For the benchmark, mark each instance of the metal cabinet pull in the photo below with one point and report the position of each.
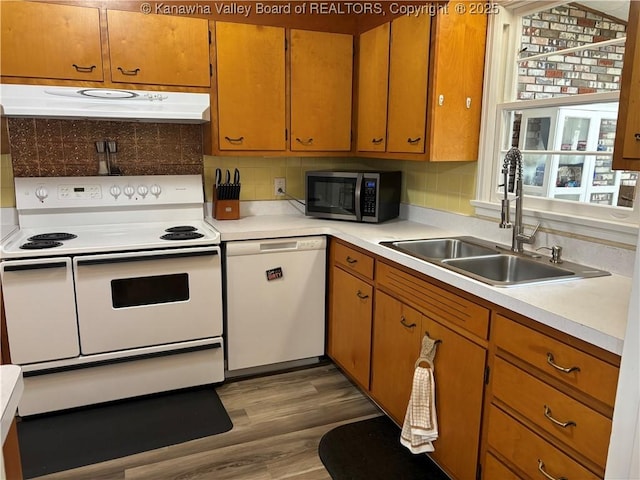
(435, 341)
(541, 470)
(413, 141)
(361, 295)
(550, 361)
(547, 413)
(131, 73)
(83, 69)
(404, 323)
(352, 260)
(637, 135)
(234, 140)
(305, 142)
(468, 103)
(377, 141)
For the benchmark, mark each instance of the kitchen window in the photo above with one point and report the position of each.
(552, 90)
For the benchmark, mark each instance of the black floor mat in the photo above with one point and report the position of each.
(371, 450)
(57, 442)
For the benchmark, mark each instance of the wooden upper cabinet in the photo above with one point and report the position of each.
(626, 155)
(158, 49)
(373, 82)
(321, 88)
(408, 72)
(50, 41)
(250, 62)
(455, 91)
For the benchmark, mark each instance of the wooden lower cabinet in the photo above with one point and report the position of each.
(501, 404)
(349, 342)
(551, 403)
(397, 337)
(459, 375)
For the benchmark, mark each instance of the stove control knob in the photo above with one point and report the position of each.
(156, 190)
(115, 191)
(143, 190)
(129, 191)
(41, 193)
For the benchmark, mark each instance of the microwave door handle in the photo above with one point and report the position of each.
(358, 199)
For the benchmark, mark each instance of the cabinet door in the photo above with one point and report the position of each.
(457, 67)
(321, 85)
(158, 49)
(397, 336)
(627, 146)
(459, 377)
(251, 93)
(408, 70)
(350, 327)
(50, 41)
(373, 82)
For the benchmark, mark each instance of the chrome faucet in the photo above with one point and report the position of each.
(512, 172)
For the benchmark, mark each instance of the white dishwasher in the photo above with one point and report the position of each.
(275, 300)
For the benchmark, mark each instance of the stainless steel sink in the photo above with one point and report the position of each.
(441, 248)
(508, 269)
(490, 263)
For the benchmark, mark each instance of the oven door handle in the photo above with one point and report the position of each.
(145, 256)
(34, 264)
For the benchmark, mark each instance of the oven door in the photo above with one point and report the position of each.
(40, 309)
(138, 299)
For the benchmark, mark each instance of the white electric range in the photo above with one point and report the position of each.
(112, 289)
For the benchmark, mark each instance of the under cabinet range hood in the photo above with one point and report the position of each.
(103, 103)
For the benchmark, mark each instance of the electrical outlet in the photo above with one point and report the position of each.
(279, 186)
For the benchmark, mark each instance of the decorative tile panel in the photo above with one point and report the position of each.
(56, 148)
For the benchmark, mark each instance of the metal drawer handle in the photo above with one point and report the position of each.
(234, 140)
(413, 141)
(83, 69)
(541, 470)
(362, 295)
(305, 142)
(637, 135)
(132, 73)
(438, 341)
(404, 323)
(377, 141)
(550, 361)
(547, 413)
(352, 260)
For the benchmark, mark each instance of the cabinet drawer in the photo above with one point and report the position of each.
(494, 469)
(438, 303)
(592, 376)
(538, 401)
(529, 452)
(353, 260)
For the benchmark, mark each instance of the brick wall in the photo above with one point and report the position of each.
(587, 71)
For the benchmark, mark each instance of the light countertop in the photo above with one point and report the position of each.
(10, 392)
(593, 309)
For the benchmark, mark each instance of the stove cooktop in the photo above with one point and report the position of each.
(84, 215)
(31, 242)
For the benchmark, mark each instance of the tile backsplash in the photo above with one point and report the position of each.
(42, 147)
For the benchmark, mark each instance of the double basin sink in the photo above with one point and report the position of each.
(491, 263)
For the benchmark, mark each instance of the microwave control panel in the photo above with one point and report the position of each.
(369, 197)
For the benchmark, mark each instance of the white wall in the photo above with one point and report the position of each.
(624, 450)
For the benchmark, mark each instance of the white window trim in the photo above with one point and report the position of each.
(615, 226)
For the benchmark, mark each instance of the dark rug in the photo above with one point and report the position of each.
(371, 450)
(56, 442)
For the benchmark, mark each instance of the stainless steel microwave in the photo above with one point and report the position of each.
(358, 196)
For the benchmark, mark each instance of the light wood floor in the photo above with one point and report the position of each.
(278, 421)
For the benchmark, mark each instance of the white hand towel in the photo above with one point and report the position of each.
(420, 426)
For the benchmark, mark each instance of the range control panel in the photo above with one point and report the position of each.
(63, 192)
